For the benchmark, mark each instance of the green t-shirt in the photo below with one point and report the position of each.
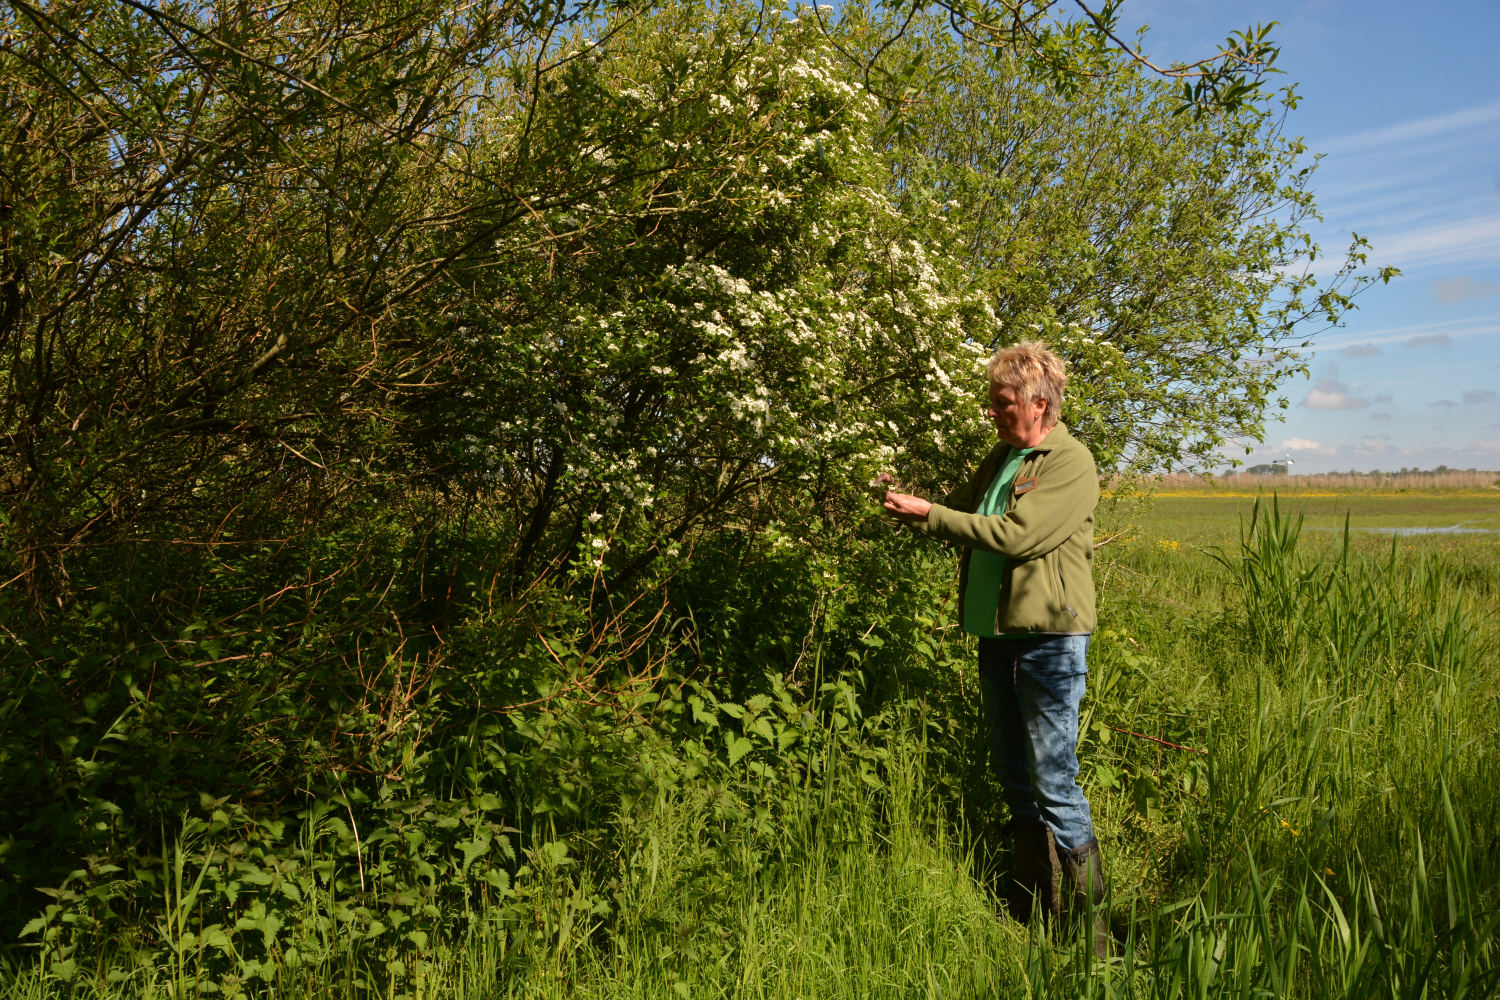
(987, 570)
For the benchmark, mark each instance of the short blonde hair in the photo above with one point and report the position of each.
(1032, 371)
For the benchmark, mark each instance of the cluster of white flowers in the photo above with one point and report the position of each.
(846, 365)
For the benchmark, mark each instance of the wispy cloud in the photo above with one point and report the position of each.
(1452, 329)
(1417, 190)
(1469, 240)
(1362, 351)
(1450, 290)
(1469, 397)
(1485, 447)
(1430, 340)
(1419, 128)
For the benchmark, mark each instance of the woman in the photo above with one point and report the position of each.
(1026, 524)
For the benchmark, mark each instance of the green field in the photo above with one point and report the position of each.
(1212, 519)
(1462, 527)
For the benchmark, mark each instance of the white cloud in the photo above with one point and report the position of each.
(1303, 444)
(1330, 394)
(1362, 351)
(1430, 340)
(1411, 190)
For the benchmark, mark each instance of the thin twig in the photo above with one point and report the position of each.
(1148, 576)
(1153, 739)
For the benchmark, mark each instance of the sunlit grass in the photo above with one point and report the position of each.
(1292, 755)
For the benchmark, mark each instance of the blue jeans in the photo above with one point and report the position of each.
(1032, 686)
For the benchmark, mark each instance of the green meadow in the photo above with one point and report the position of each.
(1212, 518)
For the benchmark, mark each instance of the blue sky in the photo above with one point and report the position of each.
(1404, 101)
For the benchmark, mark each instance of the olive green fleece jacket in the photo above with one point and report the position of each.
(1046, 534)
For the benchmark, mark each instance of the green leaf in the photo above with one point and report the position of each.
(738, 747)
(1145, 796)
(473, 849)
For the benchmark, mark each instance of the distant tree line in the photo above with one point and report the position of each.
(1279, 469)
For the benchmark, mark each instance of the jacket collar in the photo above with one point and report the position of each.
(1057, 437)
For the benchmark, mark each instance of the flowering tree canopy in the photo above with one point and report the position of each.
(630, 275)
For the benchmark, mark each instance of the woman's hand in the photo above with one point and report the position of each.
(905, 507)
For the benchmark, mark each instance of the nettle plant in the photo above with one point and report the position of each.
(753, 328)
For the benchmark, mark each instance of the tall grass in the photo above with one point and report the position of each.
(1343, 844)
(1335, 836)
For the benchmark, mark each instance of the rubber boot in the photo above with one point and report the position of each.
(1083, 883)
(1031, 887)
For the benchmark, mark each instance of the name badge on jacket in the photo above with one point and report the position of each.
(1025, 486)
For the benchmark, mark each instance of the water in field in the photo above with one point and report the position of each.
(1452, 529)
(1210, 518)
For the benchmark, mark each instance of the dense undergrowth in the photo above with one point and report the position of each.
(767, 784)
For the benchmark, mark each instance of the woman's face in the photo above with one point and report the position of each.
(1018, 422)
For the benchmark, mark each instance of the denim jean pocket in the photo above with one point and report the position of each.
(1058, 656)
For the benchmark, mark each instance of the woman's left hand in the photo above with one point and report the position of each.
(905, 507)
